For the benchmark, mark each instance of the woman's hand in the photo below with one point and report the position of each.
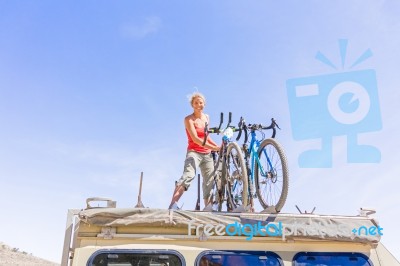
(215, 147)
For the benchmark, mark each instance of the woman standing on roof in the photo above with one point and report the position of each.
(197, 155)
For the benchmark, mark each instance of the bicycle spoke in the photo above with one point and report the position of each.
(272, 179)
(236, 175)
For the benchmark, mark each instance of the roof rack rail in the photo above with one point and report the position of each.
(109, 203)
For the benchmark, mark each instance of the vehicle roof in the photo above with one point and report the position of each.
(304, 226)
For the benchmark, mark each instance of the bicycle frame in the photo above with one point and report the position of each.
(252, 157)
(219, 174)
(251, 154)
(252, 150)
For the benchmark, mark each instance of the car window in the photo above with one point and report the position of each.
(136, 258)
(331, 259)
(224, 258)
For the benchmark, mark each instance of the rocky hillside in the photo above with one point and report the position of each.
(13, 256)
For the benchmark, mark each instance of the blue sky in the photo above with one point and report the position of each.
(92, 93)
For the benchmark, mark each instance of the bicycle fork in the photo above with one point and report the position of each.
(217, 196)
(266, 174)
(252, 194)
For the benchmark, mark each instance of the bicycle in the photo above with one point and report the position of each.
(230, 172)
(266, 164)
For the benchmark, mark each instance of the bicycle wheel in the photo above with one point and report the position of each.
(219, 186)
(218, 192)
(271, 175)
(235, 175)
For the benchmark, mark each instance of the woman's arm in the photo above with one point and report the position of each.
(209, 140)
(210, 144)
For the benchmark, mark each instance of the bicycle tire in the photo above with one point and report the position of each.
(220, 191)
(218, 187)
(272, 189)
(235, 177)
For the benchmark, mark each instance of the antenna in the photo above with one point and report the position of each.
(139, 203)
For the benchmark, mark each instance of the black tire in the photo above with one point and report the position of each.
(219, 196)
(235, 177)
(272, 187)
(220, 192)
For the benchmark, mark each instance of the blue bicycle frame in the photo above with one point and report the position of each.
(252, 150)
(266, 166)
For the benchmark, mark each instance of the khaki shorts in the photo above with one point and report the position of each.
(205, 162)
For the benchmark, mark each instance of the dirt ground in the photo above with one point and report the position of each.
(12, 256)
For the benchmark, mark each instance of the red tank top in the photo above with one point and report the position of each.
(192, 146)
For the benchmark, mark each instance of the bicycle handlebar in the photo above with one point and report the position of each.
(218, 130)
(213, 129)
(221, 120)
(205, 133)
(229, 119)
(241, 126)
(271, 126)
(253, 127)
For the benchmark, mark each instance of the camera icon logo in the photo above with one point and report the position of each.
(337, 104)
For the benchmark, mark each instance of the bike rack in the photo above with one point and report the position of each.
(305, 212)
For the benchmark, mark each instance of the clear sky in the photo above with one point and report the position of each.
(94, 92)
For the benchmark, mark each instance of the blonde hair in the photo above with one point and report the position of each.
(194, 95)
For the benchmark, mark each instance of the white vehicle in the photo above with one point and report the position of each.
(110, 236)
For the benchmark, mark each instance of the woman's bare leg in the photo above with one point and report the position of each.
(178, 192)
